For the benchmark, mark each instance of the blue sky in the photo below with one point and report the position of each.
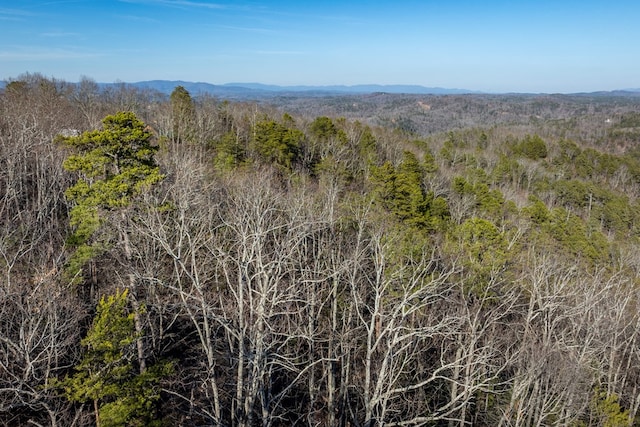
(491, 45)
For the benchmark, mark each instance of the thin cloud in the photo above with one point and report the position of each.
(180, 3)
(65, 2)
(7, 11)
(190, 4)
(13, 14)
(55, 34)
(138, 18)
(45, 55)
(280, 52)
(248, 29)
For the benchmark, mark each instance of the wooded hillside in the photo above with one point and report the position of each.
(371, 260)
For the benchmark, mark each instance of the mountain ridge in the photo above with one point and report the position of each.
(248, 90)
(240, 89)
(257, 91)
(359, 88)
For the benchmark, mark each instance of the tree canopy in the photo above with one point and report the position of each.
(367, 260)
(114, 165)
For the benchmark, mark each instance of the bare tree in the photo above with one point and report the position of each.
(179, 226)
(558, 345)
(40, 316)
(256, 249)
(412, 341)
(87, 98)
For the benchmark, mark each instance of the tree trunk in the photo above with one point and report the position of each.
(137, 321)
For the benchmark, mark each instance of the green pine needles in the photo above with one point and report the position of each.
(114, 165)
(107, 376)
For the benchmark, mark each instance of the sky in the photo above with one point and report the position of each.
(542, 46)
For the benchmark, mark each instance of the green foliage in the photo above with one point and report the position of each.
(277, 143)
(429, 163)
(607, 410)
(453, 149)
(438, 211)
(229, 154)
(323, 128)
(106, 376)
(482, 249)
(576, 237)
(610, 209)
(384, 179)
(593, 164)
(114, 165)
(17, 88)
(401, 192)
(406, 245)
(532, 147)
(584, 163)
(560, 230)
(482, 242)
(488, 201)
(409, 198)
(327, 138)
(183, 111)
(111, 332)
(537, 211)
(573, 193)
(450, 147)
(615, 213)
(568, 151)
(367, 146)
(507, 171)
(367, 142)
(259, 279)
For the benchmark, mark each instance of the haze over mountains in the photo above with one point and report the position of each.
(265, 90)
(239, 90)
(252, 90)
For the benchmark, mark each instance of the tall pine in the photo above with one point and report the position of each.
(114, 165)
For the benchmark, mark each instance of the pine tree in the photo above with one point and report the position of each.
(106, 376)
(277, 143)
(183, 113)
(114, 165)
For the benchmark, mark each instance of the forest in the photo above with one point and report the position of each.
(354, 261)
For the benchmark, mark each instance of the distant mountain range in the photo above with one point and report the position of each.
(260, 91)
(245, 90)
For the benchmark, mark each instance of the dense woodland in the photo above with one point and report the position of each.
(374, 260)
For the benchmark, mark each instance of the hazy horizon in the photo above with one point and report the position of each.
(495, 47)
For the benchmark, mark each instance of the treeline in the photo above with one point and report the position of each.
(190, 261)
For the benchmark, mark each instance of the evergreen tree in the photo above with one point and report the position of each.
(410, 202)
(400, 190)
(323, 128)
(183, 113)
(114, 165)
(277, 143)
(106, 376)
